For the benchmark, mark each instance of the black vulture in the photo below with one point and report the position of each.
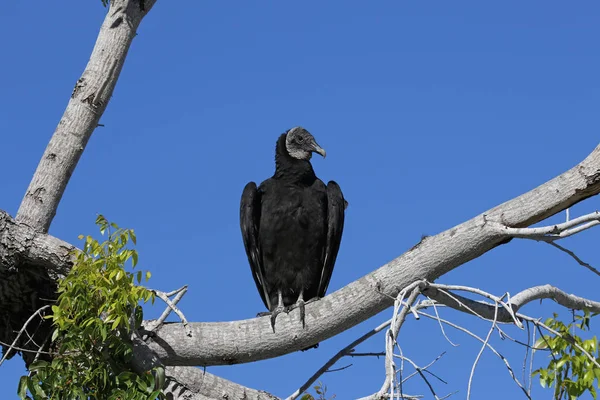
(292, 227)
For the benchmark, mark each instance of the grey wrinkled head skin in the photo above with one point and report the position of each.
(300, 144)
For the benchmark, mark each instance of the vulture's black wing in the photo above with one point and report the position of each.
(336, 206)
(249, 222)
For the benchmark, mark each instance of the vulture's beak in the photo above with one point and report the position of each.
(318, 149)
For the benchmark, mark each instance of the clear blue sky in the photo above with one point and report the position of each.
(430, 112)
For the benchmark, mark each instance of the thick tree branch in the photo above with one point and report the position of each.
(219, 343)
(207, 386)
(21, 244)
(88, 101)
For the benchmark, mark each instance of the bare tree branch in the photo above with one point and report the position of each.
(485, 343)
(400, 313)
(171, 306)
(555, 232)
(419, 371)
(579, 260)
(519, 300)
(14, 343)
(207, 386)
(88, 101)
(489, 346)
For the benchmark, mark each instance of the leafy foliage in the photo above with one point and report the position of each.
(320, 391)
(97, 310)
(570, 370)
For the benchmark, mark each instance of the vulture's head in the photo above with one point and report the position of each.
(300, 144)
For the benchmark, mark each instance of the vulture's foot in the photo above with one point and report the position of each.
(278, 310)
(301, 305)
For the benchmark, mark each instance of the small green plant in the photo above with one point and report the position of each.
(320, 391)
(570, 371)
(97, 309)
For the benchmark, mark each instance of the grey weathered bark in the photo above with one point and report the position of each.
(88, 101)
(208, 386)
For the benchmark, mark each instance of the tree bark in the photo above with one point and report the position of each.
(88, 101)
(207, 386)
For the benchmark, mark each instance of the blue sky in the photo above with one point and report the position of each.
(430, 112)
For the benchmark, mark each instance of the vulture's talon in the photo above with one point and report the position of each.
(301, 306)
(278, 310)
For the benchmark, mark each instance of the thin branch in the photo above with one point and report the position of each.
(579, 260)
(425, 369)
(339, 369)
(441, 325)
(419, 370)
(555, 232)
(486, 310)
(171, 306)
(380, 354)
(392, 336)
(348, 350)
(343, 352)
(13, 344)
(533, 349)
(26, 350)
(489, 346)
(509, 310)
(487, 339)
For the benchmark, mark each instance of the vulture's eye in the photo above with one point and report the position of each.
(300, 139)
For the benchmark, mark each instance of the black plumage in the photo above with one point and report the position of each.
(292, 227)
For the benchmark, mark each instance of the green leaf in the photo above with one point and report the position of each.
(35, 390)
(160, 377)
(37, 365)
(540, 344)
(22, 388)
(561, 362)
(116, 323)
(154, 395)
(54, 335)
